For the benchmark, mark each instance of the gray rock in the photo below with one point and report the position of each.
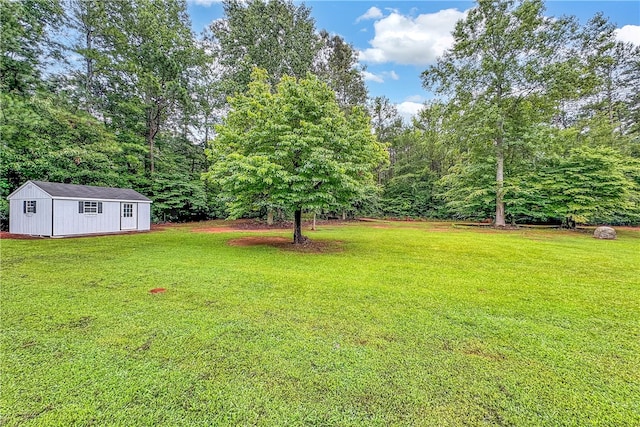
(607, 233)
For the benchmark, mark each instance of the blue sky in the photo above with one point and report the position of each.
(397, 40)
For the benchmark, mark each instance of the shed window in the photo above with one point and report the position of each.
(127, 210)
(29, 206)
(90, 208)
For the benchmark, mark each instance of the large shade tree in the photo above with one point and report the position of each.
(140, 56)
(582, 185)
(507, 57)
(292, 148)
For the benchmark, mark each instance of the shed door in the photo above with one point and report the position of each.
(128, 216)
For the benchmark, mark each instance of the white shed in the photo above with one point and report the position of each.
(55, 209)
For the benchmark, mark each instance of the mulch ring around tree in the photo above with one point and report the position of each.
(285, 244)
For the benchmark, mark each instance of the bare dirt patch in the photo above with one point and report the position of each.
(7, 235)
(232, 230)
(250, 225)
(161, 226)
(285, 244)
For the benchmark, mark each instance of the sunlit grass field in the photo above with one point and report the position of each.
(391, 324)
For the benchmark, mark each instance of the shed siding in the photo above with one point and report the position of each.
(58, 215)
(144, 216)
(30, 192)
(68, 221)
(38, 224)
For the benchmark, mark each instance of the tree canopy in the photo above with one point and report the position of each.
(292, 149)
(535, 117)
(506, 57)
(275, 35)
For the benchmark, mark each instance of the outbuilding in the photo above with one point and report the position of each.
(55, 209)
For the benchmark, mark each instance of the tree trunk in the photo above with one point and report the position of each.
(150, 141)
(500, 222)
(298, 238)
(89, 79)
(206, 130)
(153, 125)
(269, 216)
(313, 227)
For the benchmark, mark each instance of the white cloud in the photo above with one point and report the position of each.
(372, 13)
(412, 40)
(415, 98)
(409, 109)
(629, 34)
(370, 77)
(380, 77)
(204, 2)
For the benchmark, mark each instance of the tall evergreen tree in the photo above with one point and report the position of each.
(609, 62)
(337, 65)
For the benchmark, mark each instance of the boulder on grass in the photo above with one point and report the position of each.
(606, 233)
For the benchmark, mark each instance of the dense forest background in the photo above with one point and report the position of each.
(537, 119)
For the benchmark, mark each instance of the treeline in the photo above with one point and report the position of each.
(538, 119)
(538, 123)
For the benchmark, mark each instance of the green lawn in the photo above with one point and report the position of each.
(402, 324)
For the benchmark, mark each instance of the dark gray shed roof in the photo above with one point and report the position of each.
(56, 189)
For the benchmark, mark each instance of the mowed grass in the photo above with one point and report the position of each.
(404, 324)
